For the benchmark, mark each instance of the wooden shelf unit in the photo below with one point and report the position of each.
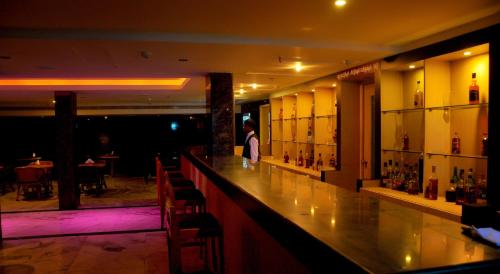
(445, 80)
(315, 112)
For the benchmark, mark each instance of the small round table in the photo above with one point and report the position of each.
(111, 160)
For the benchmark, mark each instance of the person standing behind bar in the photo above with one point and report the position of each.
(251, 148)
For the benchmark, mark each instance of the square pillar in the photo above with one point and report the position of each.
(65, 162)
(220, 97)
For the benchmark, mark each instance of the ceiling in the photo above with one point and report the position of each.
(258, 41)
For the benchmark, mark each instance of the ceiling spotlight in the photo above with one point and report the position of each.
(340, 3)
(105, 117)
(296, 94)
(412, 66)
(313, 90)
(298, 66)
(467, 53)
(53, 101)
(334, 84)
(254, 86)
(242, 91)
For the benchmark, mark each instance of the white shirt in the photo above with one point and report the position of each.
(254, 146)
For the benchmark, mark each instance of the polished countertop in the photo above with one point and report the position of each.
(376, 235)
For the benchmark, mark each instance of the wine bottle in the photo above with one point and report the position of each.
(307, 162)
(470, 188)
(484, 145)
(286, 157)
(460, 189)
(319, 163)
(406, 142)
(433, 185)
(418, 97)
(474, 90)
(455, 144)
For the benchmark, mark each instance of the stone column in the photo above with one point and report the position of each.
(220, 97)
(65, 162)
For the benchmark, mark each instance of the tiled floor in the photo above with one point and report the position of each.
(118, 253)
(122, 191)
(25, 224)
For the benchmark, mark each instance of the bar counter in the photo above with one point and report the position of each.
(325, 228)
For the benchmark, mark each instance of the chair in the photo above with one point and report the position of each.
(89, 178)
(29, 178)
(181, 224)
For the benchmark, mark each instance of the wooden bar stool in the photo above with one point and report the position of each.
(207, 232)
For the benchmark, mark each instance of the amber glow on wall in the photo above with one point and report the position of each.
(94, 84)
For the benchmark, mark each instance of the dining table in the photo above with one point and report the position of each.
(111, 159)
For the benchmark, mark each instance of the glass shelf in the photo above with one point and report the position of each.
(277, 140)
(467, 106)
(307, 143)
(320, 144)
(279, 120)
(402, 151)
(402, 110)
(325, 116)
(301, 118)
(288, 119)
(471, 156)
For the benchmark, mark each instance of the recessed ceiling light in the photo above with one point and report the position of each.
(340, 3)
(334, 84)
(298, 66)
(53, 101)
(105, 117)
(296, 94)
(411, 66)
(313, 89)
(254, 86)
(242, 91)
(467, 53)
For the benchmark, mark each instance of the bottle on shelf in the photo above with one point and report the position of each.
(433, 185)
(474, 91)
(413, 183)
(281, 114)
(470, 188)
(484, 144)
(307, 162)
(286, 158)
(333, 161)
(396, 176)
(418, 97)
(309, 134)
(455, 144)
(311, 159)
(460, 189)
(481, 189)
(388, 182)
(300, 162)
(420, 169)
(406, 142)
(450, 194)
(319, 163)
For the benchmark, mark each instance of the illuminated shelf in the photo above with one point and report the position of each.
(279, 120)
(288, 119)
(402, 151)
(402, 110)
(453, 107)
(302, 118)
(325, 116)
(332, 145)
(471, 156)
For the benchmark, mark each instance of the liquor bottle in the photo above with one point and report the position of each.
(470, 188)
(333, 161)
(451, 194)
(286, 157)
(406, 177)
(395, 176)
(455, 144)
(474, 90)
(406, 142)
(484, 145)
(481, 189)
(460, 189)
(311, 159)
(413, 184)
(319, 163)
(300, 162)
(433, 185)
(418, 97)
(307, 162)
(281, 114)
(389, 175)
